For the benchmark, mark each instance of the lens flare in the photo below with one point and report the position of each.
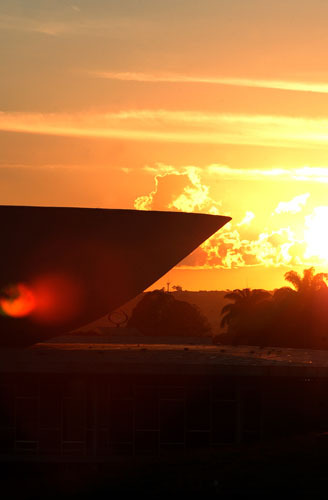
(48, 299)
(17, 301)
(58, 298)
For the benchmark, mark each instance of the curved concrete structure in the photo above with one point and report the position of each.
(61, 268)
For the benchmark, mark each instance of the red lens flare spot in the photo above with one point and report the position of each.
(49, 299)
(17, 301)
(58, 298)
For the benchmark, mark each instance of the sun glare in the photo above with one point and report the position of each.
(316, 234)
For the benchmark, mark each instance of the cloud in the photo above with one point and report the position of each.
(302, 174)
(293, 206)
(236, 244)
(65, 20)
(70, 20)
(179, 190)
(31, 25)
(224, 173)
(177, 126)
(229, 249)
(249, 216)
(295, 86)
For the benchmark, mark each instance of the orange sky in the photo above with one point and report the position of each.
(217, 106)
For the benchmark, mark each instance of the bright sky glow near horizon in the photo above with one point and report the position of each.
(219, 106)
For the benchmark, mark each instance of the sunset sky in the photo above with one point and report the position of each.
(214, 106)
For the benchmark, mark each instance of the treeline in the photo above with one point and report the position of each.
(159, 314)
(292, 316)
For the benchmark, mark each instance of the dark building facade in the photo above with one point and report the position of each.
(86, 403)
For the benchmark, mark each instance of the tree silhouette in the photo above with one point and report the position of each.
(310, 282)
(244, 302)
(244, 316)
(159, 314)
(294, 316)
(307, 319)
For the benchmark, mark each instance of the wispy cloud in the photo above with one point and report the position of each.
(30, 25)
(72, 21)
(249, 216)
(296, 86)
(302, 174)
(292, 206)
(271, 174)
(176, 126)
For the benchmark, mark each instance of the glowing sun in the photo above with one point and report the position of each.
(316, 233)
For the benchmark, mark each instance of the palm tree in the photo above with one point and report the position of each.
(300, 312)
(310, 282)
(245, 303)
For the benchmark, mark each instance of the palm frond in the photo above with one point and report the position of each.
(294, 278)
